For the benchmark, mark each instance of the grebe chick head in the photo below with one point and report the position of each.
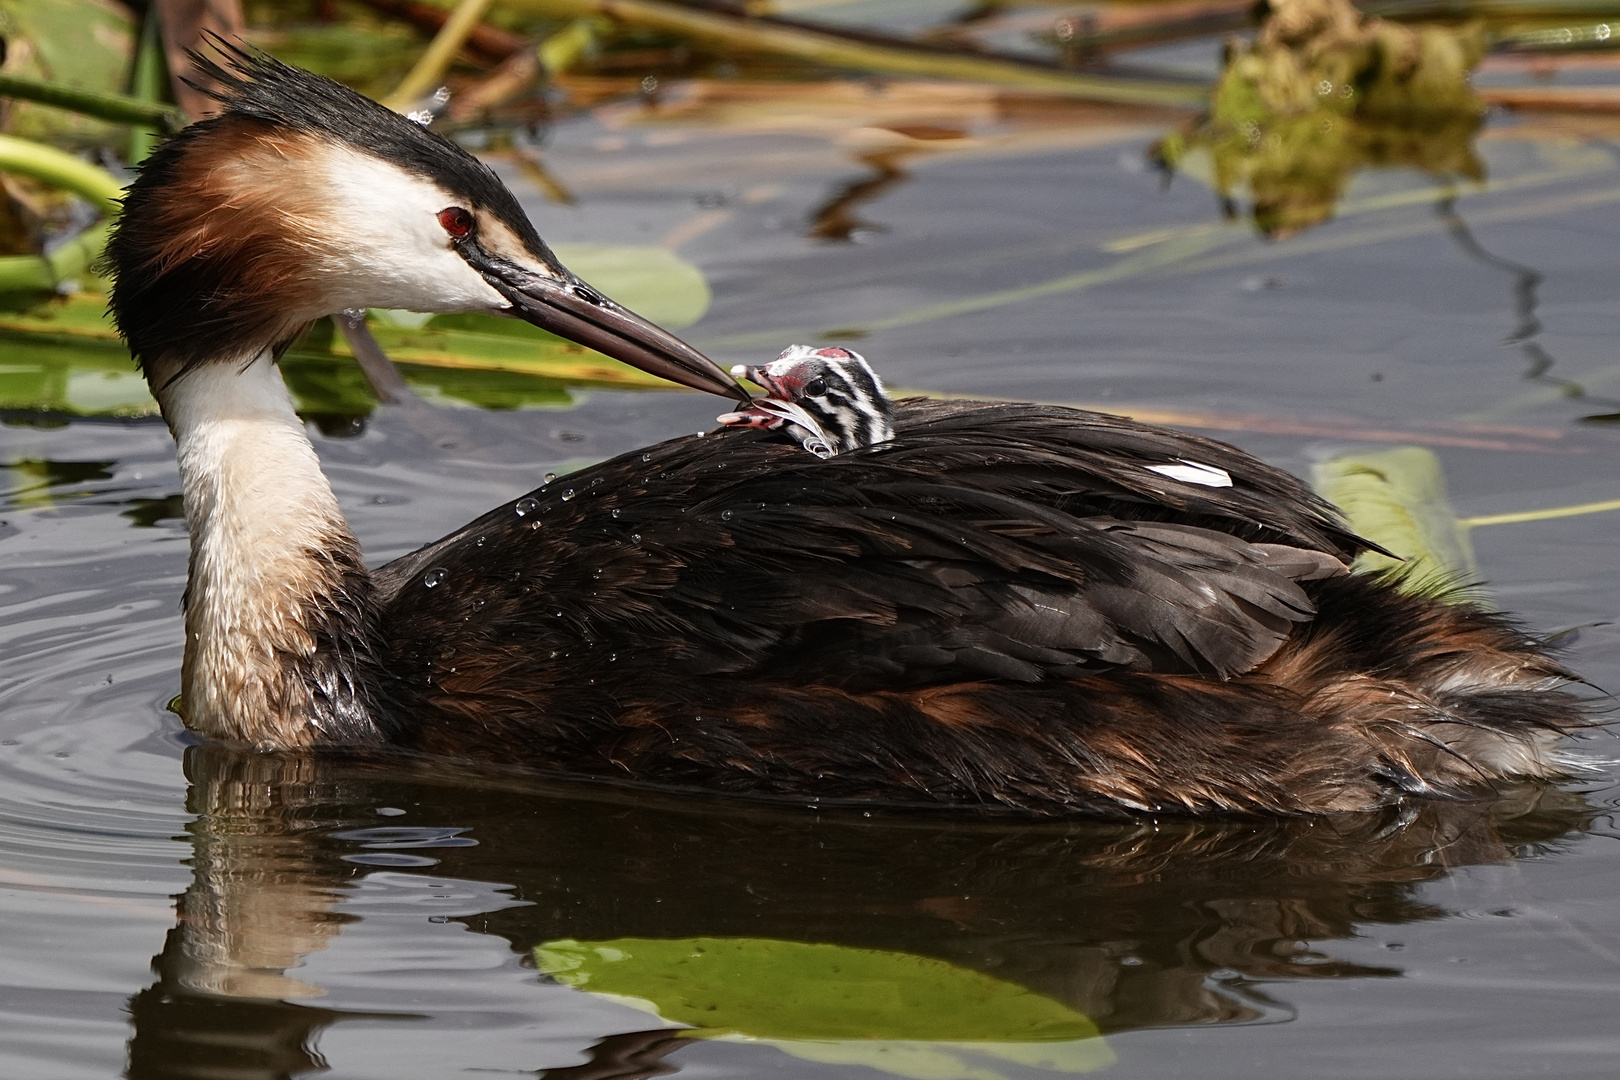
(303, 199)
(829, 399)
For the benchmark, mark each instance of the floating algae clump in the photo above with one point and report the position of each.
(1324, 91)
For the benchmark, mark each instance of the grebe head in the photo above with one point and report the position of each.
(303, 199)
(835, 389)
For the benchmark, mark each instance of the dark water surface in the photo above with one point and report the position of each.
(381, 922)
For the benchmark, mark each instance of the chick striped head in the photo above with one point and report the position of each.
(829, 400)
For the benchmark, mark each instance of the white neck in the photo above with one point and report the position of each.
(278, 620)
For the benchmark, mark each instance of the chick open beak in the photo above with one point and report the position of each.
(569, 308)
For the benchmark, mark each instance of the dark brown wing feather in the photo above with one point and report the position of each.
(1014, 541)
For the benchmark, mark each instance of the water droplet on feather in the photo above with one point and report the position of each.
(434, 576)
(525, 507)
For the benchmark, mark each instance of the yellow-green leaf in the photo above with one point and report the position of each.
(1397, 499)
(788, 990)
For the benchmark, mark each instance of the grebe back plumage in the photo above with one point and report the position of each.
(1009, 606)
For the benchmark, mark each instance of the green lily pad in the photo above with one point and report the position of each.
(1397, 499)
(795, 992)
(654, 282)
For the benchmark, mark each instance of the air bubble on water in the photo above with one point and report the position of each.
(525, 507)
(435, 576)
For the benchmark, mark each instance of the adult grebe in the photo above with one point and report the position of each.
(1012, 606)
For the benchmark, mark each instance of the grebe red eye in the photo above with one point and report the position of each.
(456, 221)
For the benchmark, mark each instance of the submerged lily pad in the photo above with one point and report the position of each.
(906, 1014)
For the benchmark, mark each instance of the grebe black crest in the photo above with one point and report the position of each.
(1015, 607)
(829, 400)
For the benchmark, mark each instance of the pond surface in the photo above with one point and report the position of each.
(383, 922)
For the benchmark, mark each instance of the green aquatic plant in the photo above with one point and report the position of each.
(901, 1013)
(63, 355)
(79, 46)
(1397, 499)
(30, 275)
(1324, 91)
(741, 35)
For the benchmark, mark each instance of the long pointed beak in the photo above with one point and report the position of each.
(569, 308)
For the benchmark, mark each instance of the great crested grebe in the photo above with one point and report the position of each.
(827, 400)
(1011, 606)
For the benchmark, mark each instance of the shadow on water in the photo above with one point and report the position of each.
(1132, 925)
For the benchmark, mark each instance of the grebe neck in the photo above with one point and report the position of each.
(280, 622)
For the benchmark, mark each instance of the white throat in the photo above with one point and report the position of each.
(275, 571)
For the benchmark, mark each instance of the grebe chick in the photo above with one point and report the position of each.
(829, 400)
(1009, 607)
